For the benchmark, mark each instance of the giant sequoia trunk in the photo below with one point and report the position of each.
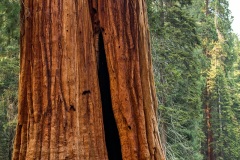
(86, 84)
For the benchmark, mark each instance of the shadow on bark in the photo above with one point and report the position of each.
(110, 126)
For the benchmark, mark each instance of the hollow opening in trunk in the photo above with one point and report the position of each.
(110, 126)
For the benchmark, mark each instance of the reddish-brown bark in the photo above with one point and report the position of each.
(208, 133)
(60, 101)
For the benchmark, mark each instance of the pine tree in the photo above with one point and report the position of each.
(177, 67)
(219, 98)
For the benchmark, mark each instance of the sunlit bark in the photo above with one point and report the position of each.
(73, 54)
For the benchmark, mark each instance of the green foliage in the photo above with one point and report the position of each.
(224, 96)
(178, 62)
(9, 68)
(193, 51)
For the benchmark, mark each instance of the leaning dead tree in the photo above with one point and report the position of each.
(86, 82)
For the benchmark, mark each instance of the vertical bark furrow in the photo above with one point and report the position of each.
(20, 141)
(110, 128)
(46, 103)
(64, 87)
(119, 53)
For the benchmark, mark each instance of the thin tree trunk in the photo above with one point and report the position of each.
(86, 82)
(162, 13)
(208, 151)
(207, 8)
(218, 65)
(208, 132)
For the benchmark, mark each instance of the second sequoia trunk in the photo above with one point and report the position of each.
(86, 84)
